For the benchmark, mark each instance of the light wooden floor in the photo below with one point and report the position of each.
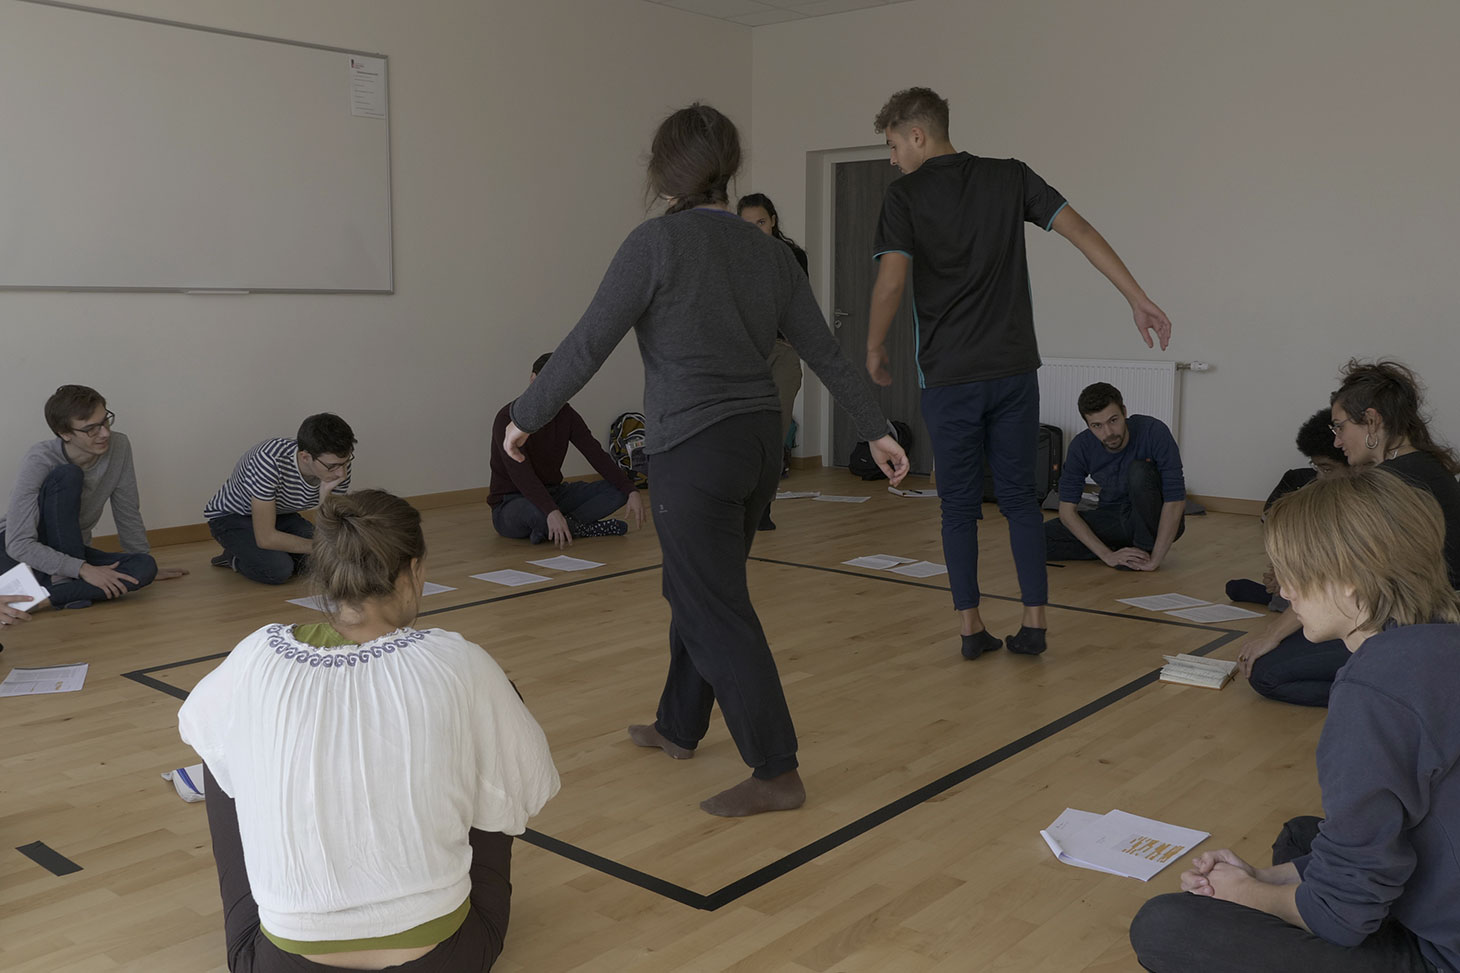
(884, 707)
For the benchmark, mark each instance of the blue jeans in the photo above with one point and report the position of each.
(1133, 522)
(998, 419)
(59, 528)
(235, 533)
(1299, 671)
(517, 516)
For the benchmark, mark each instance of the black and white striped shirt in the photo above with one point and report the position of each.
(269, 471)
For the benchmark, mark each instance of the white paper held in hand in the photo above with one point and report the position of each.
(19, 580)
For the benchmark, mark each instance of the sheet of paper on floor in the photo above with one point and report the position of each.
(829, 498)
(50, 679)
(921, 569)
(1162, 603)
(565, 563)
(1214, 613)
(511, 578)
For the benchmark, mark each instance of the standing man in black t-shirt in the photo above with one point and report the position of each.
(958, 221)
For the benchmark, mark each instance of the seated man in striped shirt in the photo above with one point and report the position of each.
(255, 513)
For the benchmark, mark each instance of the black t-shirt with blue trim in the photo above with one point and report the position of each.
(961, 220)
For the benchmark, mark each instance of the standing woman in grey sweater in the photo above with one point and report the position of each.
(705, 293)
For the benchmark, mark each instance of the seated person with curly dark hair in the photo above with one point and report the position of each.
(363, 777)
(1315, 441)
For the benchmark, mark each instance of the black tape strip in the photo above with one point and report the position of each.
(48, 858)
(937, 587)
(620, 871)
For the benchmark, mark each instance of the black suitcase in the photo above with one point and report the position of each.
(1048, 456)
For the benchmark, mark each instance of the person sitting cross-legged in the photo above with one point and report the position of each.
(363, 776)
(1142, 507)
(64, 485)
(1315, 441)
(255, 515)
(1371, 888)
(529, 497)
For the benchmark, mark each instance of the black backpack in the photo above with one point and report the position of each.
(861, 462)
(1049, 454)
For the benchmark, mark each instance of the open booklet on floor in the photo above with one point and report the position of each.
(1119, 843)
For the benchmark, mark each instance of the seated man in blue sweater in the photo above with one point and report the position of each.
(529, 498)
(1142, 507)
(1371, 888)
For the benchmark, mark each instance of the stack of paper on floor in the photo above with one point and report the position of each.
(1193, 670)
(1118, 843)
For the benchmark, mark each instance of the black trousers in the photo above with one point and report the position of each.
(1133, 523)
(474, 946)
(1200, 934)
(709, 493)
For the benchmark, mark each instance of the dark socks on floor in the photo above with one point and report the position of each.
(978, 643)
(648, 736)
(1027, 641)
(757, 796)
(1252, 592)
(599, 528)
(765, 520)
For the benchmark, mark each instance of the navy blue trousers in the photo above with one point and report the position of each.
(997, 421)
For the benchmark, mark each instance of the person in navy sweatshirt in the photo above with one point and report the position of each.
(1373, 886)
(1142, 507)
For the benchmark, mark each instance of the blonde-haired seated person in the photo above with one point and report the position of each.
(363, 776)
(1373, 887)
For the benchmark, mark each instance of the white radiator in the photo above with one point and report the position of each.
(1148, 387)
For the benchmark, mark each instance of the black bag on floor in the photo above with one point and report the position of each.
(1048, 455)
(861, 462)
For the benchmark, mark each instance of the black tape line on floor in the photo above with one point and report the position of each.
(937, 587)
(48, 858)
(821, 846)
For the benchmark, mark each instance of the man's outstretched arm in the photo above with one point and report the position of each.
(1149, 318)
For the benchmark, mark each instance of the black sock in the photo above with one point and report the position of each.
(1244, 589)
(1027, 641)
(978, 643)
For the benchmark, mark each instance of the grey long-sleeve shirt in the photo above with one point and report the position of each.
(112, 478)
(705, 293)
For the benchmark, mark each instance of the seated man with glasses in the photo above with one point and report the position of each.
(255, 513)
(64, 485)
(1142, 507)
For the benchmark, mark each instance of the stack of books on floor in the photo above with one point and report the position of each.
(1193, 670)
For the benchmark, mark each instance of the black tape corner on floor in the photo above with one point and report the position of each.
(48, 858)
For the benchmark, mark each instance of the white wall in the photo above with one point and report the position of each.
(1280, 177)
(519, 130)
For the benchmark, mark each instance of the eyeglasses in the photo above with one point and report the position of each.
(97, 427)
(333, 467)
(1336, 426)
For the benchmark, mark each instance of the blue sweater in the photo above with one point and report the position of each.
(1148, 439)
(1389, 768)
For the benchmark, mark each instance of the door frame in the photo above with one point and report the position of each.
(821, 221)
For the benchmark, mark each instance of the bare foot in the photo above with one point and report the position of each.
(647, 736)
(756, 796)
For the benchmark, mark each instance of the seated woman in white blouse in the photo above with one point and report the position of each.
(363, 776)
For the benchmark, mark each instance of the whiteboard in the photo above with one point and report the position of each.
(142, 154)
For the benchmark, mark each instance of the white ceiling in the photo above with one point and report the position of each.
(757, 13)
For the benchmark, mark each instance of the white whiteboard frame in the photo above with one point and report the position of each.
(183, 289)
